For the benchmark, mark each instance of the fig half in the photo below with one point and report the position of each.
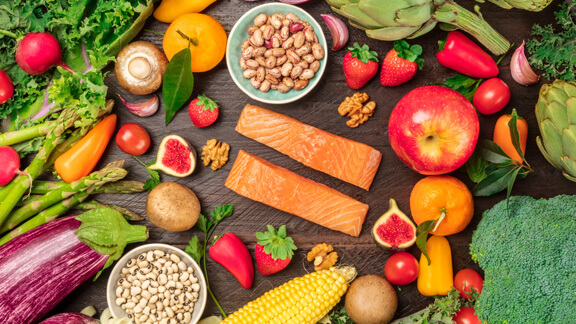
(175, 157)
(394, 231)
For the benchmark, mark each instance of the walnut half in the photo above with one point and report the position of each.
(355, 108)
(323, 256)
(215, 152)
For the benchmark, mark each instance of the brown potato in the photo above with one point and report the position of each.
(173, 207)
(371, 300)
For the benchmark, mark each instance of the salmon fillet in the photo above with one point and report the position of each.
(337, 156)
(260, 180)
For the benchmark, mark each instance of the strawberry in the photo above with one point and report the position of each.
(274, 250)
(203, 111)
(360, 65)
(401, 63)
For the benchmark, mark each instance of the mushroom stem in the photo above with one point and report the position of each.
(194, 41)
(139, 67)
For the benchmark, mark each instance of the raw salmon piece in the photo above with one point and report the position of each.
(337, 156)
(260, 180)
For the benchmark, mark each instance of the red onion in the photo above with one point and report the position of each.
(338, 29)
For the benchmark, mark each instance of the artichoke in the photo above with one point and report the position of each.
(391, 20)
(556, 116)
(531, 5)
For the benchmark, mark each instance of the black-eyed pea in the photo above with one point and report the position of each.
(315, 66)
(318, 51)
(300, 84)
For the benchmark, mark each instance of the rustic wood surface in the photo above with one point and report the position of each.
(393, 180)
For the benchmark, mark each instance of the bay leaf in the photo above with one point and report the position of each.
(178, 83)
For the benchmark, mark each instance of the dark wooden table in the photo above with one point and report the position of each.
(393, 180)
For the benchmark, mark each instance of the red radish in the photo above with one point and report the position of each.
(6, 87)
(38, 52)
(10, 164)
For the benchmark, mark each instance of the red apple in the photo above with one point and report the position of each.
(433, 130)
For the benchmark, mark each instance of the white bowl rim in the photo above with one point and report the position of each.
(304, 92)
(111, 285)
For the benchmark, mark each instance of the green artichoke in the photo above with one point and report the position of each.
(391, 20)
(531, 5)
(556, 116)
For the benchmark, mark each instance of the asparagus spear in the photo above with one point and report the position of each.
(109, 174)
(22, 183)
(127, 213)
(125, 186)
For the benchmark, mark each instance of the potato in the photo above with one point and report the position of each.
(173, 207)
(371, 300)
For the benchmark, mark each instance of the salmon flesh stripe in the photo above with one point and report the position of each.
(337, 156)
(275, 186)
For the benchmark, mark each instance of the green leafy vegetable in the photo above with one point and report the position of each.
(554, 49)
(526, 250)
(197, 250)
(154, 179)
(178, 83)
(339, 316)
(442, 310)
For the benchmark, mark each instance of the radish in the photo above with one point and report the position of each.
(10, 165)
(38, 52)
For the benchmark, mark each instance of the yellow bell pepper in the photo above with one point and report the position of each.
(169, 10)
(437, 277)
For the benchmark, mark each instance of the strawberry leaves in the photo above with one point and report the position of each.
(276, 243)
(207, 103)
(364, 54)
(409, 52)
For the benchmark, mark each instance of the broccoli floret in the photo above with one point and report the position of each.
(528, 255)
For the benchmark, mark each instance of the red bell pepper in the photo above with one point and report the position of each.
(230, 252)
(461, 54)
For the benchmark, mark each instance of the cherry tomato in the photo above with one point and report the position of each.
(133, 139)
(466, 316)
(401, 268)
(491, 96)
(466, 279)
(6, 87)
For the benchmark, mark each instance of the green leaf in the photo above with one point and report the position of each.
(204, 223)
(492, 152)
(464, 85)
(511, 184)
(495, 181)
(515, 136)
(422, 236)
(220, 212)
(178, 83)
(195, 249)
(207, 103)
(476, 167)
(154, 179)
(276, 243)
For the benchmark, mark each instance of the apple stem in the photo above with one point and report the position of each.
(439, 220)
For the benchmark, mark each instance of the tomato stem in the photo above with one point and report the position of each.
(194, 41)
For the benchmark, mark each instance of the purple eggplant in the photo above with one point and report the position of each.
(69, 318)
(41, 267)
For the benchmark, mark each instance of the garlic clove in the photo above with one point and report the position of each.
(143, 109)
(338, 29)
(520, 68)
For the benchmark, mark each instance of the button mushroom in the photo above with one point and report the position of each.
(140, 67)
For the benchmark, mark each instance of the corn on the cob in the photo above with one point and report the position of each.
(302, 300)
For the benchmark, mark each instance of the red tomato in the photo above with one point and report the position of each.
(133, 139)
(466, 316)
(491, 96)
(466, 279)
(6, 87)
(401, 268)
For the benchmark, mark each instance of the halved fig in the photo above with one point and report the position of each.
(175, 157)
(394, 231)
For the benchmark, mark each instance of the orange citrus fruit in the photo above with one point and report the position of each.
(206, 36)
(434, 195)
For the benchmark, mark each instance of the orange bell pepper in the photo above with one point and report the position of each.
(503, 138)
(81, 159)
(437, 277)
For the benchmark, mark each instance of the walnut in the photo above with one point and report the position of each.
(323, 256)
(355, 108)
(215, 152)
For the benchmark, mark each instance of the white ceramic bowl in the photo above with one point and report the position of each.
(239, 34)
(118, 312)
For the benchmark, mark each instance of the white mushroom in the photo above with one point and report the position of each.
(140, 67)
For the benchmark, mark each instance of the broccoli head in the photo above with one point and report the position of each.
(528, 254)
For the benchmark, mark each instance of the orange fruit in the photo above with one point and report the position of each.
(207, 36)
(435, 195)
